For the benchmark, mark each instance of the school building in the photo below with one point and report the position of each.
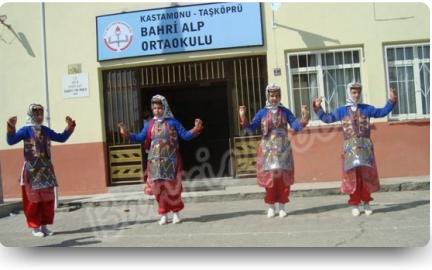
(101, 63)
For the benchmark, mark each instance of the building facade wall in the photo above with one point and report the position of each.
(402, 148)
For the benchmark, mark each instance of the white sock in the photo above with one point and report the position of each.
(271, 211)
(176, 217)
(355, 211)
(45, 230)
(282, 211)
(163, 220)
(37, 232)
(282, 207)
(367, 209)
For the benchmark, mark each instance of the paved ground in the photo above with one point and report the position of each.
(401, 219)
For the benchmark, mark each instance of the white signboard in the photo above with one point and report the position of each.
(75, 85)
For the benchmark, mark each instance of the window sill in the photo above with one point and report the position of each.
(321, 128)
(396, 121)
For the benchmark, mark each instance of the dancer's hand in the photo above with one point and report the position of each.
(393, 95)
(305, 112)
(123, 130)
(71, 123)
(12, 121)
(317, 102)
(198, 125)
(242, 111)
(305, 115)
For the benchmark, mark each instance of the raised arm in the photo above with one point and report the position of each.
(13, 137)
(293, 121)
(134, 137)
(64, 136)
(381, 112)
(188, 135)
(323, 116)
(58, 137)
(256, 121)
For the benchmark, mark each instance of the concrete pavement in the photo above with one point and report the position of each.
(401, 219)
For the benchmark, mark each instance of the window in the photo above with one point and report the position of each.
(322, 74)
(408, 72)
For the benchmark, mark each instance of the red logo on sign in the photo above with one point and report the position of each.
(118, 36)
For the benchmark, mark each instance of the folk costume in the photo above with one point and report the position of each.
(164, 165)
(38, 181)
(359, 174)
(275, 165)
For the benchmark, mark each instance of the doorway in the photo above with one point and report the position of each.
(207, 155)
(211, 90)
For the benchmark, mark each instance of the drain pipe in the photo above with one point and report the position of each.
(45, 64)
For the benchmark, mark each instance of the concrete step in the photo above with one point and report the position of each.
(10, 208)
(192, 185)
(227, 190)
(244, 192)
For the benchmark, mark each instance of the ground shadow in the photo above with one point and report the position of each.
(112, 227)
(402, 206)
(210, 218)
(216, 217)
(74, 242)
(319, 209)
(326, 208)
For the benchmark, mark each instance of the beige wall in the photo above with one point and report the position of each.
(21, 69)
(323, 26)
(71, 39)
